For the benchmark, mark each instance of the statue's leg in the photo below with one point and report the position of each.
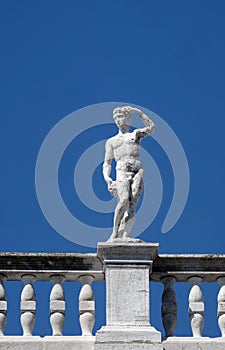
(123, 220)
(122, 223)
(136, 191)
(123, 189)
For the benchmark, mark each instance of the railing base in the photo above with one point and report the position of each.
(47, 343)
(131, 346)
(194, 343)
(88, 343)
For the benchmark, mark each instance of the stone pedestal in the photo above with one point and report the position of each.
(127, 267)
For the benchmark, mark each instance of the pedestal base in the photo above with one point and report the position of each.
(127, 267)
(128, 338)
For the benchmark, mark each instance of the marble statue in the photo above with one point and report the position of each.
(125, 149)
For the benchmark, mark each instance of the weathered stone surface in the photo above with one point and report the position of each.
(69, 343)
(86, 305)
(127, 268)
(57, 305)
(133, 258)
(184, 266)
(127, 296)
(88, 343)
(3, 306)
(45, 265)
(127, 280)
(47, 343)
(186, 343)
(127, 252)
(169, 306)
(129, 334)
(221, 305)
(131, 346)
(196, 306)
(21, 343)
(28, 305)
(130, 338)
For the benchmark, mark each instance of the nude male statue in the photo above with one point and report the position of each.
(125, 149)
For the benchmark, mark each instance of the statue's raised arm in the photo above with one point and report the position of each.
(149, 125)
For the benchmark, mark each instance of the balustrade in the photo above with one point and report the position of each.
(221, 305)
(3, 305)
(169, 306)
(28, 305)
(86, 305)
(57, 305)
(86, 268)
(55, 268)
(196, 307)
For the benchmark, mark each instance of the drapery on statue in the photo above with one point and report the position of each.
(125, 149)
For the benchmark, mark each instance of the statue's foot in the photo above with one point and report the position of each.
(119, 236)
(126, 236)
(124, 239)
(133, 240)
(112, 237)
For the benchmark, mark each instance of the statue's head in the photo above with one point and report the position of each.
(122, 116)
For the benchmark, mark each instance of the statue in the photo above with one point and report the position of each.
(125, 149)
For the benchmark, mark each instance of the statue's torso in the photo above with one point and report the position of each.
(126, 151)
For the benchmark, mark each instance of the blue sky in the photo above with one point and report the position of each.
(167, 56)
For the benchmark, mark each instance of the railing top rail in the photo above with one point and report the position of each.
(72, 265)
(183, 266)
(51, 254)
(192, 256)
(44, 265)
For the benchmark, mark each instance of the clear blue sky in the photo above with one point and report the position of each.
(168, 56)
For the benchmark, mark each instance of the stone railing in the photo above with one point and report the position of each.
(193, 269)
(56, 268)
(126, 269)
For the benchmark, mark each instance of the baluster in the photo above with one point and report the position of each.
(86, 305)
(221, 305)
(196, 307)
(57, 305)
(28, 305)
(3, 305)
(169, 306)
